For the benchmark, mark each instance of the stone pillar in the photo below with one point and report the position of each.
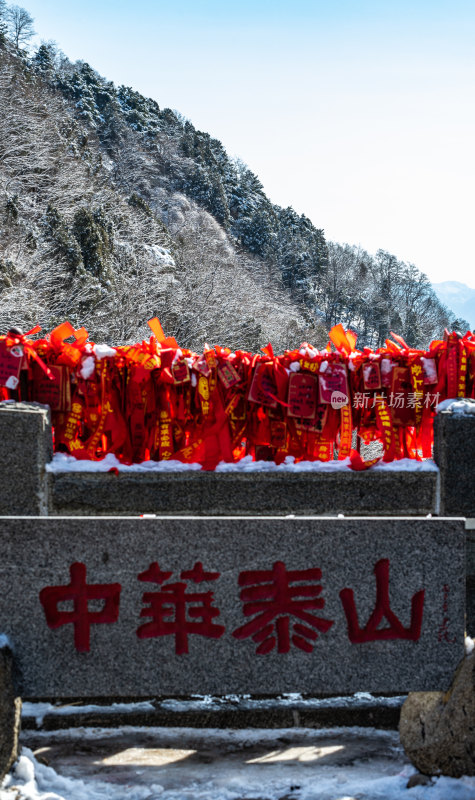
(10, 710)
(26, 446)
(454, 452)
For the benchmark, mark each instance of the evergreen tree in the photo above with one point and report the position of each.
(94, 236)
(44, 60)
(3, 20)
(66, 246)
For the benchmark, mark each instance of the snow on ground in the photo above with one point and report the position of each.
(212, 764)
(64, 463)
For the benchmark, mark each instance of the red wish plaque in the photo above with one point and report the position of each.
(263, 388)
(278, 433)
(302, 395)
(180, 372)
(49, 390)
(387, 366)
(402, 413)
(429, 371)
(202, 366)
(332, 379)
(10, 364)
(228, 375)
(371, 376)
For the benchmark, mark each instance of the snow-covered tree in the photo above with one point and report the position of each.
(20, 24)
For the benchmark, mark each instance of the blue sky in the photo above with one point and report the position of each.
(359, 114)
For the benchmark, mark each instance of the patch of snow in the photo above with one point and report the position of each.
(161, 256)
(35, 781)
(312, 351)
(65, 463)
(469, 645)
(408, 465)
(87, 367)
(457, 405)
(103, 351)
(287, 760)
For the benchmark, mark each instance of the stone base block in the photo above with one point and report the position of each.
(10, 713)
(437, 729)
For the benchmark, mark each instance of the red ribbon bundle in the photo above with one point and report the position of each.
(155, 400)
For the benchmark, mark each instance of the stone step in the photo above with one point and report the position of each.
(360, 710)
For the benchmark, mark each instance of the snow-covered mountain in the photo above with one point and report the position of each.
(459, 297)
(113, 210)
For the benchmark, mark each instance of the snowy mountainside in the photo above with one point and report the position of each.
(459, 297)
(91, 230)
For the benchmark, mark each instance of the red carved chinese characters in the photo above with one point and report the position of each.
(79, 592)
(272, 601)
(174, 611)
(279, 603)
(396, 630)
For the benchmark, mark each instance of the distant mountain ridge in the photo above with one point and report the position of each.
(459, 297)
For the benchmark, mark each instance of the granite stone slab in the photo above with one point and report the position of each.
(470, 580)
(173, 575)
(382, 492)
(26, 446)
(454, 452)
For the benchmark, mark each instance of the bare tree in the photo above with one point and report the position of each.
(21, 25)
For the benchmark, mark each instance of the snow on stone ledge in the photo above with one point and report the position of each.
(457, 405)
(65, 463)
(39, 710)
